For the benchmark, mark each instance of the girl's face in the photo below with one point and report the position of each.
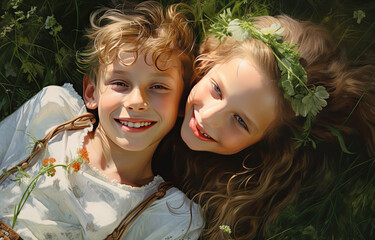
(229, 109)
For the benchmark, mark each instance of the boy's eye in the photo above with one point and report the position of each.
(217, 89)
(158, 86)
(241, 122)
(120, 84)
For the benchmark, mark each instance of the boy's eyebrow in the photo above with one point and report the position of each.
(162, 74)
(156, 74)
(120, 72)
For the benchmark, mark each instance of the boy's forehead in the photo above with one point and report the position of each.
(130, 63)
(164, 61)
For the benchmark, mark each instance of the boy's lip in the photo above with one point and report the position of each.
(198, 131)
(135, 124)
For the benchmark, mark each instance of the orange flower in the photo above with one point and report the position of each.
(47, 164)
(48, 160)
(76, 166)
(51, 172)
(84, 154)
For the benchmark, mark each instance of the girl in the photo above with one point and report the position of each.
(263, 109)
(138, 60)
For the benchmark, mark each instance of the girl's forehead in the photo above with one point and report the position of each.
(241, 76)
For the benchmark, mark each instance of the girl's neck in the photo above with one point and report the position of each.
(126, 167)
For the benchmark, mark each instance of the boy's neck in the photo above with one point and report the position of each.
(126, 167)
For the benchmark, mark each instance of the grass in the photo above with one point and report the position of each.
(33, 56)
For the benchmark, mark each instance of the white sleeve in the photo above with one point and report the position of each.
(53, 105)
(167, 219)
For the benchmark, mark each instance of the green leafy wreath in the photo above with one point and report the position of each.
(305, 101)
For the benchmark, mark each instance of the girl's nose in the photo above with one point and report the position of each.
(135, 101)
(213, 114)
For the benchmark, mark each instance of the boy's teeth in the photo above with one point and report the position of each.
(136, 125)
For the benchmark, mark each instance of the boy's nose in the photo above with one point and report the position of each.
(135, 101)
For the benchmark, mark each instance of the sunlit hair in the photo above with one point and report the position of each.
(146, 28)
(247, 190)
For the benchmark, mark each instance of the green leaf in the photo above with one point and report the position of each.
(22, 173)
(321, 92)
(10, 71)
(359, 15)
(32, 69)
(336, 133)
(288, 88)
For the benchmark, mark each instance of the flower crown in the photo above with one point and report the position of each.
(305, 101)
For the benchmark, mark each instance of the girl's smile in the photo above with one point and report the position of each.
(198, 130)
(230, 108)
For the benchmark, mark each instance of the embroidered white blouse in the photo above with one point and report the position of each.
(84, 204)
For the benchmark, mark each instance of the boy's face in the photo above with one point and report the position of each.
(138, 104)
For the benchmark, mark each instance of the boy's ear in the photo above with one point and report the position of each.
(89, 93)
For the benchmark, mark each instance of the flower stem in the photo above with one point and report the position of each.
(29, 189)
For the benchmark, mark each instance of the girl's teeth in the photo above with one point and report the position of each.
(204, 134)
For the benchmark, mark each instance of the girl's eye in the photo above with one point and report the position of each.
(217, 89)
(241, 122)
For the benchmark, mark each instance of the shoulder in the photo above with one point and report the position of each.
(174, 215)
(65, 97)
(179, 205)
(57, 104)
(50, 107)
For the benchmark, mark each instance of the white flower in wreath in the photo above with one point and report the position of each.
(238, 33)
(275, 29)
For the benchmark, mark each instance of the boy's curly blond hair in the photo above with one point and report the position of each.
(146, 28)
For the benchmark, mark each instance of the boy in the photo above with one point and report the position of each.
(138, 63)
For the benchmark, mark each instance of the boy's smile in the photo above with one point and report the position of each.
(138, 104)
(135, 125)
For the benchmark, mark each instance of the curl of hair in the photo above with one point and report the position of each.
(248, 190)
(145, 28)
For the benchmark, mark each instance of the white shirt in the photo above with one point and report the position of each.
(86, 204)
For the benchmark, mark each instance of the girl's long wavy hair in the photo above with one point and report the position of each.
(247, 190)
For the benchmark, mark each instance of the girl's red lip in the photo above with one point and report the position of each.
(196, 131)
